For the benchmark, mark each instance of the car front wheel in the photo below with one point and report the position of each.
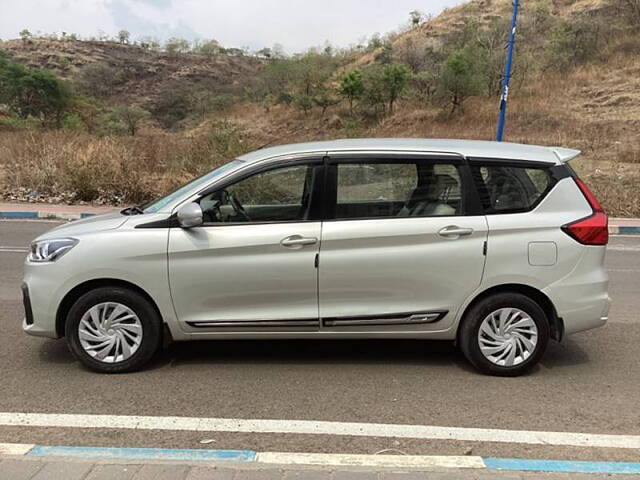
(113, 330)
(505, 334)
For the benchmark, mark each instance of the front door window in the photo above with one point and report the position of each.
(279, 195)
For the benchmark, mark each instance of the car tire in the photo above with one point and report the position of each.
(113, 330)
(508, 349)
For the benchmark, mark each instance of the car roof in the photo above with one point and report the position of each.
(465, 148)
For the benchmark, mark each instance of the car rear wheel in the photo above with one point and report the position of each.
(505, 334)
(113, 329)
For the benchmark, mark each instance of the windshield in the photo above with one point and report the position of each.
(157, 205)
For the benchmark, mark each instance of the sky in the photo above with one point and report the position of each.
(295, 24)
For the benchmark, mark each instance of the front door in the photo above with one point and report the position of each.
(400, 252)
(251, 266)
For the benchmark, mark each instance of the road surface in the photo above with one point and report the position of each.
(588, 384)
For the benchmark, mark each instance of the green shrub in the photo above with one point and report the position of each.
(572, 43)
(72, 122)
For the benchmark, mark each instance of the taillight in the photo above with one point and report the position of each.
(591, 230)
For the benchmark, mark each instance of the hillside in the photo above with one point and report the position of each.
(576, 83)
(143, 76)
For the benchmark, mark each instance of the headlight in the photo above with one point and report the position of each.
(51, 250)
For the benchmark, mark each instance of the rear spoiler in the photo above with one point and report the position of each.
(565, 154)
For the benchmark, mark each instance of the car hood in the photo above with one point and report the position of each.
(108, 221)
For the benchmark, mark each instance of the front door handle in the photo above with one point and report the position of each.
(454, 231)
(298, 241)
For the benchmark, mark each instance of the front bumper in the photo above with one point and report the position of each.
(40, 303)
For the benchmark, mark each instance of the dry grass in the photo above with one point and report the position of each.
(112, 170)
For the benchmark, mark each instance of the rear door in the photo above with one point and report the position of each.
(401, 247)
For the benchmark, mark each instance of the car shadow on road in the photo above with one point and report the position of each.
(441, 354)
(55, 351)
(312, 352)
(348, 352)
(567, 353)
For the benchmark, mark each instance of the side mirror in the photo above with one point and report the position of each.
(190, 215)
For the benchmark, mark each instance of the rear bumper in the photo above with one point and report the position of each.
(581, 298)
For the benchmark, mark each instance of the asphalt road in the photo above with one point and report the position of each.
(590, 383)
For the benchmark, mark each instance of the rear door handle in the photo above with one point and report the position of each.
(298, 241)
(454, 231)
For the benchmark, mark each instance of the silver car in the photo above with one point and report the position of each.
(498, 247)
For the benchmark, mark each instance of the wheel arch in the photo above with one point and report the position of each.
(84, 287)
(556, 324)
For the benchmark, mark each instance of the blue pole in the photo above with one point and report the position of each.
(507, 73)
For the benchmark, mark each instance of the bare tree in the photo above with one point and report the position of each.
(416, 17)
(128, 117)
(123, 36)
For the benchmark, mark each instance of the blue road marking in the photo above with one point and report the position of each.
(18, 214)
(628, 230)
(568, 466)
(144, 453)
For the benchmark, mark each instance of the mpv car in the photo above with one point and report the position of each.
(498, 247)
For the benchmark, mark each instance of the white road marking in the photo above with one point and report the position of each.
(13, 249)
(31, 220)
(623, 248)
(309, 427)
(345, 460)
(15, 448)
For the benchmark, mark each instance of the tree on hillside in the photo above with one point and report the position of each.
(385, 55)
(172, 107)
(277, 77)
(174, 46)
(411, 53)
(25, 34)
(374, 89)
(571, 43)
(264, 52)
(352, 87)
(89, 110)
(425, 84)
(33, 93)
(490, 43)
(324, 100)
(459, 77)
(123, 36)
(210, 48)
(277, 51)
(374, 43)
(395, 79)
(416, 17)
(150, 43)
(303, 102)
(98, 80)
(128, 117)
(312, 71)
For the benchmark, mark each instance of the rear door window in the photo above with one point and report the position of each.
(397, 189)
(509, 188)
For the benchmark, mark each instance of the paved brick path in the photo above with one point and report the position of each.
(21, 468)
